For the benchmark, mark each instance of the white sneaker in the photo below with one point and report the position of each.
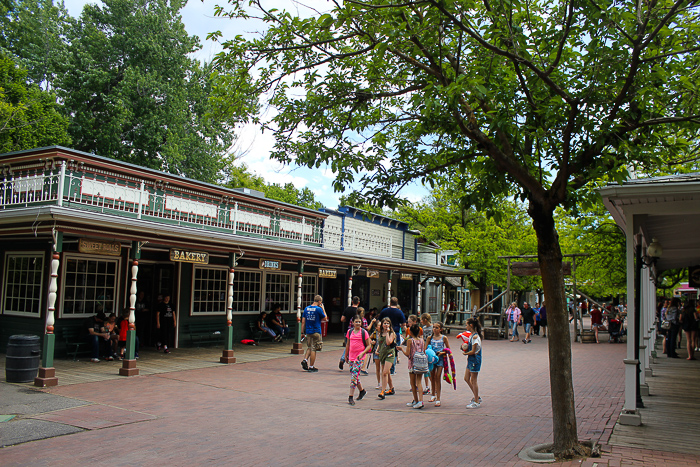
(479, 400)
(411, 404)
(474, 405)
(378, 386)
(418, 405)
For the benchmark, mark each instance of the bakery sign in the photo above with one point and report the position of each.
(406, 276)
(327, 273)
(189, 256)
(99, 247)
(270, 264)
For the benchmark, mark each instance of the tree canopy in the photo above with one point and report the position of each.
(534, 99)
(29, 117)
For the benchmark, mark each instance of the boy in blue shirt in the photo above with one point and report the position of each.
(311, 328)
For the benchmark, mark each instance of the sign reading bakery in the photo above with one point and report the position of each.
(327, 273)
(189, 256)
(98, 247)
(270, 264)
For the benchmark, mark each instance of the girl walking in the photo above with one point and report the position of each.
(355, 351)
(414, 344)
(376, 329)
(438, 342)
(387, 355)
(427, 323)
(472, 349)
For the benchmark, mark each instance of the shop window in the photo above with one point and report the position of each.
(24, 275)
(278, 289)
(246, 291)
(89, 286)
(209, 290)
(308, 291)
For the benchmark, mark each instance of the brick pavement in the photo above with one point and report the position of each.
(271, 412)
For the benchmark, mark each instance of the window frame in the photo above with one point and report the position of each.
(225, 270)
(41, 299)
(64, 271)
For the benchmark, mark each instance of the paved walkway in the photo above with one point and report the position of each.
(271, 412)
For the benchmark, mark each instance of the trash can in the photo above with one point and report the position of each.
(23, 356)
(324, 328)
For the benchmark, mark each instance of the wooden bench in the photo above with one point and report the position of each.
(256, 334)
(205, 333)
(75, 341)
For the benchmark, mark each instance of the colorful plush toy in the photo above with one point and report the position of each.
(449, 368)
(432, 358)
(464, 336)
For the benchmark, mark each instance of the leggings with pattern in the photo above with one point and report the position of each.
(355, 367)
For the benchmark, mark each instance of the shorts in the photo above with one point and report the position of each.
(473, 365)
(543, 322)
(527, 327)
(313, 342)
(597, 325)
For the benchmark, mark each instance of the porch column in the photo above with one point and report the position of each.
(630, 415)
(296, 347)
(644, 335)
(129, 363)
(420, 295)
(350, 271)
(47, 372)
(388, 290)
(227, 355)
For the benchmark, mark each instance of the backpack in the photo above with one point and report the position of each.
(420, 361)
(365, 336)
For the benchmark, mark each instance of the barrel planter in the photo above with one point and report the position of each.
(23, 356)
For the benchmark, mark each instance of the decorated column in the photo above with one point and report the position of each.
(420, 295)
(47, 372)
(129, 363)
(388, 291)
(350, 274)
(227, 356)
(296, 347)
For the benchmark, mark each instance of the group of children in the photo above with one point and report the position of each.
(426, 348)
(117, 335)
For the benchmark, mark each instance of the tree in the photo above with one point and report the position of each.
(35, 33)
(29, 117)
(134, 94)
(532, 99)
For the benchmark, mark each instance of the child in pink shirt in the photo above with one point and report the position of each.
(358, 345)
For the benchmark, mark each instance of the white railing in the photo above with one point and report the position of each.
(81, 188)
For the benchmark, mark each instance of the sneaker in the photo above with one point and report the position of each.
(95, 360)
(411, 404)
(381, 396)
(473, 400)
(364, 373)
(418, 405)
(167, 350)
(426, 391)
(350, 401)
(544, 336)
(529, 340)
(474, 405)
(390, 392)
(378, 386)
(305, 365)
(313, 369)
(109, 359)
(341, 364)
(361, 395)
(524, 341)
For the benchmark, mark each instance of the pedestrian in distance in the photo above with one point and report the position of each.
(527, 316)
(358, 345)
(311, 331)
(438, 342)
(472, 349)
(415, 345)
(166, 322)
(596, 321)
(513, 316)
(387, 356)
(543, 318)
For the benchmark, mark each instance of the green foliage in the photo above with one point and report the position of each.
(134, 94)
(29, 117)
(34, 32)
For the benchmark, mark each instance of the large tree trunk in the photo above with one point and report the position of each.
(560, 378)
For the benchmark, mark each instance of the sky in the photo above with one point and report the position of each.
(255, 146)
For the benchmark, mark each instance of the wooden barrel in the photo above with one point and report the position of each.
(22, 361)
(491, 333)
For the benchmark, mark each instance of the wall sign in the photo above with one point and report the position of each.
(99, 247)
(372, 273)
(189, 256)
(405, 276)
(327, 273)
(270, 264)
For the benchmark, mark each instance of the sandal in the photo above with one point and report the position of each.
(432, 398)
(437, 403)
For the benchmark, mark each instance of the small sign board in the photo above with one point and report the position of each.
(188, 256)
(327, 273)
(99, 247)
(270, 264)
(372, 273)
(406, 276)
(531, 268)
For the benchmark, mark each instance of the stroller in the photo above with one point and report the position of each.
(615, 331)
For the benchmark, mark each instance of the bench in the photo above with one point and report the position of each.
(75, 342)
(205, 333)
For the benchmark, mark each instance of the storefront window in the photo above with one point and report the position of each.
(278, 288)
(308, 291)
(89, 286)
(246, 291)
(24, 273)
(209, 291)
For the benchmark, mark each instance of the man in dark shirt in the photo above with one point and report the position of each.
(528, 316)
(543, 319)
(92, 328)
(345, 324)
